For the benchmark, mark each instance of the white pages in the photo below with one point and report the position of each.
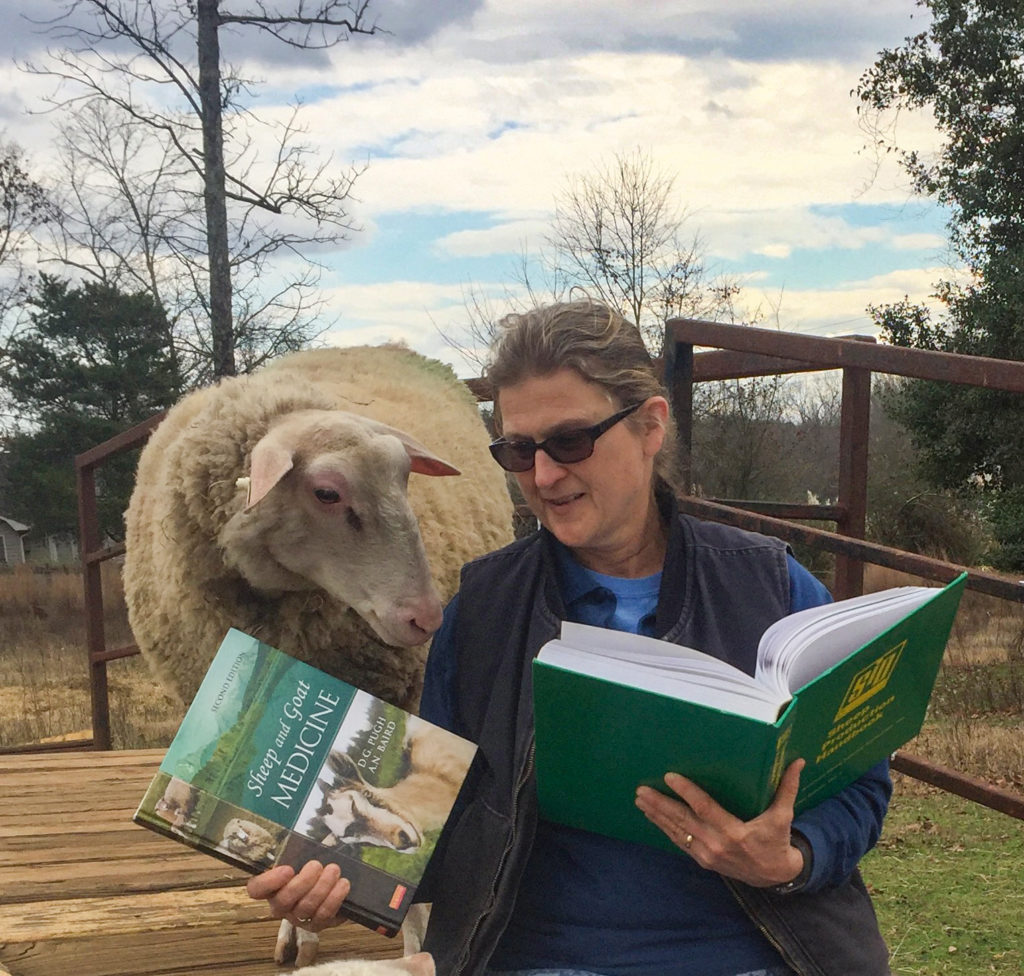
(797, 648)
(792, 652)
(661, 667)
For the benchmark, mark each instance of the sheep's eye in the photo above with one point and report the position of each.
(327, 495)
(354, 520)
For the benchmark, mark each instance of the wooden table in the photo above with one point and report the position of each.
(85, 892)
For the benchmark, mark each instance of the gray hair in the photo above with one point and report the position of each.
(600, 345)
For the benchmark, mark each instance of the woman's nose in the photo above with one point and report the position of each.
(546, 470)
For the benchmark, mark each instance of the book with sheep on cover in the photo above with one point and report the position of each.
(276, 763)
(841, 685)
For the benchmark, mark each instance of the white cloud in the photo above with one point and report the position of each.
(842, 310)
(775, 250)
(417, 313)
(505, 237)
(487, 108)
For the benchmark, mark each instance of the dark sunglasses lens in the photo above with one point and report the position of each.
(570, 448)
(514, 455)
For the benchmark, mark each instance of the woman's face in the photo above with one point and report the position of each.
(600, 507)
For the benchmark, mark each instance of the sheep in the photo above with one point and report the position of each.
(277, 503)
(280, 503)
(178, 803)
(354, 812)
(249, 841)
(418, 964)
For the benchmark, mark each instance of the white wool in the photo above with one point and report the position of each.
(421, 964)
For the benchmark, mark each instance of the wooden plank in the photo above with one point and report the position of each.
(231, 949)
(126, 792)
(111, 809)
(99, 793)
(57, 824)
(100, 878)
(111, 844)
(83, 891)
(122, 912)
(82, 844)
(85, 759)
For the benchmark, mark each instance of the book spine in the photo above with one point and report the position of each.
(778, 755)
(364, 916)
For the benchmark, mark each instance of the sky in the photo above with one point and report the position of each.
(471, 117)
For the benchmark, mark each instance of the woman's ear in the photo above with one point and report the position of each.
(654, 416)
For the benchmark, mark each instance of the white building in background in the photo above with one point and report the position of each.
(18, 545)
(12, 542)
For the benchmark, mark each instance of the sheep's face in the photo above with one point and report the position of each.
(328, 509)
(177, 803)
(357, 814)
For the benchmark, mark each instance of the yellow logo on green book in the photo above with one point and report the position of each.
(780, 755)
(870, 681)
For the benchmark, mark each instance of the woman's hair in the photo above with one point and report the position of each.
(597, 343)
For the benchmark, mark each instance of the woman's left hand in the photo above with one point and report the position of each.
(757, 852)
(309, 899)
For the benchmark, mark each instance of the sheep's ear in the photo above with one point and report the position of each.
(424, 461)
(270, 462)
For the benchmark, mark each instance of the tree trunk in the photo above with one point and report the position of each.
(214, 198)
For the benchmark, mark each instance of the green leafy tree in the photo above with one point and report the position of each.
(92, 362)
(967, 69)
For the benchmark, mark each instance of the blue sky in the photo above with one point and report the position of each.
(473, 115)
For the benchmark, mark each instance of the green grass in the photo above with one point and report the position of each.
(947, 880)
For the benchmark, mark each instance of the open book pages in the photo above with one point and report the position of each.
(661, 667)
(797, 648)
(792, 652)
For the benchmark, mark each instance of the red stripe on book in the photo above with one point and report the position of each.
(396, 898)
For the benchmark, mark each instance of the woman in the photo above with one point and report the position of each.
(587, 433)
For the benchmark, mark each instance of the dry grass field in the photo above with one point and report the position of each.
(44, 672)
(976, 721)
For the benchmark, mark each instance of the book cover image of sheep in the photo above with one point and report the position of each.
(281, 503)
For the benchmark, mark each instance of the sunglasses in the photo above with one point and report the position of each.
(569, 447)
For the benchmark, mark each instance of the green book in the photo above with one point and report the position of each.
(276, 763)
(842, 686)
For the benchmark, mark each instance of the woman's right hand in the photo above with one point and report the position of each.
(309, 899)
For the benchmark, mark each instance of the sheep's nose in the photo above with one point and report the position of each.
(427, 617)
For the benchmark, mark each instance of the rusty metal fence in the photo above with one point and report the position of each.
(695, 352)
(736, 352)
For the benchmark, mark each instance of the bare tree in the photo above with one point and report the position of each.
(159, 65)
(738, 437)
(130, 216)
(619, 233)
(24, 208)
